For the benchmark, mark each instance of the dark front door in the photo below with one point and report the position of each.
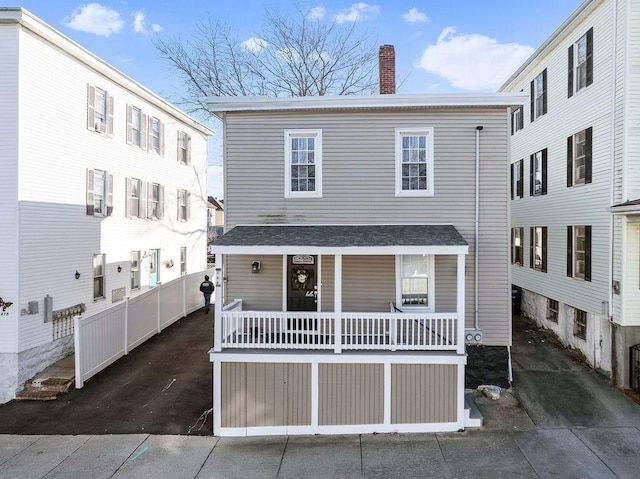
(302, 288)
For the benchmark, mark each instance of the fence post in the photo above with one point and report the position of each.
(126, 325)
(79, 373)
(184, 295)
(158, 307)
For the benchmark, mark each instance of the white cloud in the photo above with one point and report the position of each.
(358, 11)
(156, 28)
(317, 13)
(415, 16)
(254, 45)
(95, 18)
(139, 24)
(472, 61)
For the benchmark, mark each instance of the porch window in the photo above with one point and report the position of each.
(414, 162)
(303, 163)
(416, 274)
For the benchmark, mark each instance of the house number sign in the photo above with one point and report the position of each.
(302, 259)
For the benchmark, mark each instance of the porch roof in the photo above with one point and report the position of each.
(342, 239)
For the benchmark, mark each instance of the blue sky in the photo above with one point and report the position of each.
(442, 46)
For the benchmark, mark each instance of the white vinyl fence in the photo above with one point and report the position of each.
(105, 337)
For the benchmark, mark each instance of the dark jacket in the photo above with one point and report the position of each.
(207, 287)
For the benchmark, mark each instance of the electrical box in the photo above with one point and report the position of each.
(473, 336)
(33, 307)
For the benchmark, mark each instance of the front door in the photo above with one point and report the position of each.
(302, 287)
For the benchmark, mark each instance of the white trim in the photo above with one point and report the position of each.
(431, 289)
(217, 398)
(285, 289)
(315, 394)
(428, 132)
(386, 418)
(318, 357)
(317, 136)
(337, 301)
(344, 250)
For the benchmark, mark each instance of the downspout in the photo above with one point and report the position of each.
(476, 321)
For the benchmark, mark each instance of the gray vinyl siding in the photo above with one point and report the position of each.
(446, 283)
(327, 264)
(358, 158)
(258, 291)
(423, 393)
(368, 283)
(350, 394)
(632, 102)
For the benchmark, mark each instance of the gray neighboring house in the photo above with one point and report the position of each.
(350, 297)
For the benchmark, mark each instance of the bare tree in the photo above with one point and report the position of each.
(293, 55)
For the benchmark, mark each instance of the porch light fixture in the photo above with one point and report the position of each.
(77, 275)
(255, 266)
(119, 268)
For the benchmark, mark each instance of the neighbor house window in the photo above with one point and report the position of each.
(539, 95)
(98, 276)
(579, 252)
(580, 64)
(414, 162)
(183, 260)
(538, 251)
(156, 142)
(579, 148)
(136, 127)
(517, 121)
(99, 110)
(303, 163)
(135, 198)
(517, 179)
(552, 310)
(184, 148)
(538, 173)
(135, 270)
(183, 205)
(99, 200)
(517, 235)
(155, 206)
(416, 286)
(580, 324)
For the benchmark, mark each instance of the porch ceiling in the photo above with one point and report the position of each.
(342, 239)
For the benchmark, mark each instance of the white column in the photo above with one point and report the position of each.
(217, 307)
(337, 303)
(460, 304)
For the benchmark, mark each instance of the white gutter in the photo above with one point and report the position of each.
(477, 229)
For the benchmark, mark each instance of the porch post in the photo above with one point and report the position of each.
(337, 304)
(460, 305)
(217, 307)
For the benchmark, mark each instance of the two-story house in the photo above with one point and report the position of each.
(366, 241)
(575, 182)
(102, 192)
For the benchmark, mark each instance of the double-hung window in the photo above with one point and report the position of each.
(415, 281)
(156, 136)
(580, 324)
(155, 206)
(99, 110)
(580, 63)
(517, 120)
(183, 260)
(136, 127)
(303, 163)
(135, 200)
(579, 156)
(414, 161)
(552, 310)
(135, 270)
(517, 235)
(539, 95)
(98, 276)
(538, 248)
(538, 173)
(579, 252)
(517, 179)
(183, 205)
(184, 148)
(99, 200)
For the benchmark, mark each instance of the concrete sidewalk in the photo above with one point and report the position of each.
(561, 419)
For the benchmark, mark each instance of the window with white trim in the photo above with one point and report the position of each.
(136, 127)
(184, 148)
(99, 110)
(552, 310)
(579, 252)
(517, 235)
(303, 163)
(183, 205)
(580, 64)
(517, 120)
(580, 324)
(538, 173)
(517, 179)
(155, 206)
(99, 200)
(135, 198)
(415, 281)
(98, 276)
(183, 260)
(135, 270)
(538, 251)
(539, 95)
(579, 156)
(156, 136)
(414, 161)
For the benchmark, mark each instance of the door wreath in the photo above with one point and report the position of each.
(301, 278)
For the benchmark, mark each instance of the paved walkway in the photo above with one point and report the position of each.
(560, 420)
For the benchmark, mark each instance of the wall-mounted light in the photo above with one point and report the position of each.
(119, 268)
(255, 266)
(77, 275)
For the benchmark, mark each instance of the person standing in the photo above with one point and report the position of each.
(207, 288)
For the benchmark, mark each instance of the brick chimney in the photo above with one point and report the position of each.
(387, 60)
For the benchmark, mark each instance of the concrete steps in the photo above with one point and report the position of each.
(49, 383)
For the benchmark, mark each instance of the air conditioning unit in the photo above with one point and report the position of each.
(99, 126)
(473, 336)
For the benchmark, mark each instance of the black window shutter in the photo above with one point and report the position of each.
(544, 91)
(587, 253)
(533, 100)
(569, 161)
(531, 164)
(513, 116)
(513, 256)
(521, 118)
(569, 251)
(544, 249)
(521, 182)
(544, 171)
(570, 73)
(531, 250)
(587, 160)
(590, 56)
(90, 187)
(513, 176)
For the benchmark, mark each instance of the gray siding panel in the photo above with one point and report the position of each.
(259, 291)
(327, 264)
(368, 283)
(233, 391)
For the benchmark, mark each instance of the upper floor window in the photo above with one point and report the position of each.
(183, 205)
(416, 285)
(135, 198)
(538, 258)
(414, 161)
(99, 110)
(517, 178)
(156, 136)
(99, 193)
(184, 148)
(579, 148)
(539, 95)
(579, 252)
(517, 120)
(580, 64)
(98, 276)
(303, 163)
(155, 201)
(136, 127)
(517, 235)
(538, 173)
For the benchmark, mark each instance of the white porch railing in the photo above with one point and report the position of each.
(360, 331)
